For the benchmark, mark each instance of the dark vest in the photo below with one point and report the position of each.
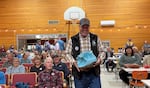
(76, 51)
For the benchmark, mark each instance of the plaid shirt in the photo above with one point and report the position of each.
(85, 43)
(51, 79)
(85, 46)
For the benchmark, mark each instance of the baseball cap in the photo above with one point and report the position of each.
(55, 55)
(84, 21)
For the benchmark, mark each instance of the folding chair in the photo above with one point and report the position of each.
(1, 62)
(1, 65)
(137, 76)
(27, 66)
(7, 76)
(70, 76)
(7, 85)
(30, 78)
(64, 83)
(3, 69)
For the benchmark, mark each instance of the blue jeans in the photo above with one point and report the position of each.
(88, 81)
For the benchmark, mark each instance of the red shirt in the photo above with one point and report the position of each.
(2, 50)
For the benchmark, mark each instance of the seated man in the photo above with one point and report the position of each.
(146, 63)
(109, 63)
(9, 61)
(146, 60)
(58, 65)
(49, 78)
(25, 58)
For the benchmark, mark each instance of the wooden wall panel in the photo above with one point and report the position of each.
(31, 17)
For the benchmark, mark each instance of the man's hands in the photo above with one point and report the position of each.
(80, 69)
(98, 62)
(87, 68)
(75, 64)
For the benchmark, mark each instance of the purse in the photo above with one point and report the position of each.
(85, 59)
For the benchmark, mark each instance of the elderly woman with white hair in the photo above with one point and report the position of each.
(16, 67)
(49, 78)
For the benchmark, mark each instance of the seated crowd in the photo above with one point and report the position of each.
(48, 65)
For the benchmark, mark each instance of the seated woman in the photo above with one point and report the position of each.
(2, 78)
(146, 63)
(128, 60)
(16, 67)
(49, 78)
(38, 66)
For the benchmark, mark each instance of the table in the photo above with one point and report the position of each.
(118, 55)
(146, 82)
(116, 62)
(112, 58)
(130, 70)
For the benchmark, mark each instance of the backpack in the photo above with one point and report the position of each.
(22, 85)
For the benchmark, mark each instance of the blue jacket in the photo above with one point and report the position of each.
(62, 67)
(38, 48)
(61, 44)
(2, 78)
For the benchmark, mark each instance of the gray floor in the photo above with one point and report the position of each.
(109, 80)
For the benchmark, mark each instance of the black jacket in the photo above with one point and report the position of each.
(76, 52)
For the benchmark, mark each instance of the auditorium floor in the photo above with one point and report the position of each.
(108, 80)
